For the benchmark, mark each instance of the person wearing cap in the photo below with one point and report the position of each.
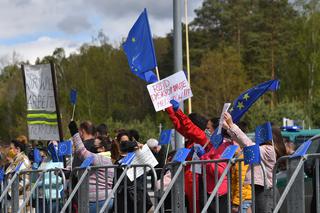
(159, 153)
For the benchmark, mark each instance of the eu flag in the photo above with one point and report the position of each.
(36, 156)
(181, 155)
(249, 97)
(140, 51)
(73, 96)
(128, 158)
(165, 137)
(87, 162)
(251, 154)
(1, 174)
(263, 133)
(216, 139)
(302, 150)
(229, 152)
(64, 148)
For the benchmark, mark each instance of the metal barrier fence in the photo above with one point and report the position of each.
(294, 191)
(33, 191)
(46, 190)
(207, 199)
(118, 193)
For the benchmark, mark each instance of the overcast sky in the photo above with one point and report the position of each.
(34, 28)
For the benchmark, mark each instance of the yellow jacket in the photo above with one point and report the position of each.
(246, 189)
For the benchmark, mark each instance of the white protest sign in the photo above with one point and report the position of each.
(42, 116)
(143, 156)
(225, 108)
(174, 87)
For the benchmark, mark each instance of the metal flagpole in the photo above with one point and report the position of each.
(187, 50)
(178, 189)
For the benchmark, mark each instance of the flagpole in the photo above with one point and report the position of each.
(157, 72)
(187, 50)
(168, 147)
(73, 110)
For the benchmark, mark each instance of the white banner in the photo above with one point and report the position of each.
(41, 108)
(143, 156)
(174, 87)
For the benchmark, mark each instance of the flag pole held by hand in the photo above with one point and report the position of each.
(73, 100)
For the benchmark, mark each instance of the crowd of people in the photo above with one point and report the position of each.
(96, 142)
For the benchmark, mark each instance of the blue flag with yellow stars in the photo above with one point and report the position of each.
(140, 51)
(251, 154)
(263, 133)
(249, 97)
(64, 148)
(229, 152)
(165, 137)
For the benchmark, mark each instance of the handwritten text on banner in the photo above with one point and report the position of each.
(174, 87)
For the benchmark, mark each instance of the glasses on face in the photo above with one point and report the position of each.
(124, 141)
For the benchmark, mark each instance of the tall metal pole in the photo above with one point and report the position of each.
(178, 201)
(177, 51)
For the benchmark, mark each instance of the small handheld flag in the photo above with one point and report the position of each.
(181, 155)
(128, 159)
(53, 150)
(18, 167)
(251, 154)
(249, 97)
(263, 133)
(73, 96)
(87, 162)
(1, 174)
(216, 139)
(229, 152)
(140, 51)
(165, 137)
(302, 150)
(64, 148)
(37, 157)
(73, 100)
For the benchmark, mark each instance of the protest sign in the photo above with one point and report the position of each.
(42, 114)
(142, 156)
(174, 87)
(225, 109)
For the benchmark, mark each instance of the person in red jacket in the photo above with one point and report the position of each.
(193, 129)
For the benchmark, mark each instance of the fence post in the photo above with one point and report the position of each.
(83, 193)
(178, 192)
(15, 195)
(295, 197)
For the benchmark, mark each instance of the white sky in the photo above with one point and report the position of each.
(34, 28)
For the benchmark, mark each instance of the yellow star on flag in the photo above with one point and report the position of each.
(246, 96)
(240, 105)
(231, 109)
(133, 39)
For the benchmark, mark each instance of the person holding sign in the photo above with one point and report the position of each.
(98, 160)
(197, 130)
(126, 146)
(269, 153)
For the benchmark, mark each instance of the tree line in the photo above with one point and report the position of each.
(234, 45)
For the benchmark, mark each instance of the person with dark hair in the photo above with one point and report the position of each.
(96, 192)
(193, 129)
(102, 130)
(19, 157)
(134, 135)
(198, 120)
(269, 152)
(126, 146)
